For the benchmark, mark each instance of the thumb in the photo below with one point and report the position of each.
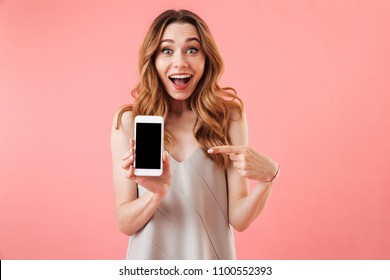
(166, 163)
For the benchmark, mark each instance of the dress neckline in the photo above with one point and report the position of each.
(188, 158)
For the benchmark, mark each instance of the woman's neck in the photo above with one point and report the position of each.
(178, 107)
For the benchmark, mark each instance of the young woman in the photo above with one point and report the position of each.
(188, 211)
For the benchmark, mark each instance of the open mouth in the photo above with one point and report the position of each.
(180, 81)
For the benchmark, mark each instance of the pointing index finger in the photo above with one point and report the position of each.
(224, 149)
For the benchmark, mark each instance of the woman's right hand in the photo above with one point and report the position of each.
(158, 185)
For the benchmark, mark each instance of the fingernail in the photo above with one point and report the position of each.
(210, 151)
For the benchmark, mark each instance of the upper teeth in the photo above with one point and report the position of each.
(180, 76)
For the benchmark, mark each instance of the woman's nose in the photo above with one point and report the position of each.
(180, 61)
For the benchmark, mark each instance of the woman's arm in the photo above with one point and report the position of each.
(244, 207)
(132, 213)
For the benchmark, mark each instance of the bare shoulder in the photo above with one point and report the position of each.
(123, 122)
(236, 114)
(238, 131)
(121, 134)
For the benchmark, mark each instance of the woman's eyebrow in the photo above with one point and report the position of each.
(187, 40)
(193, 39)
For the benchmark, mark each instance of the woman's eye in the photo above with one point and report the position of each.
(192, 50)
(166, 51)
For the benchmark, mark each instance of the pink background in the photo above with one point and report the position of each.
(314, 76)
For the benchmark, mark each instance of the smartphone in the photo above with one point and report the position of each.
(149, 139)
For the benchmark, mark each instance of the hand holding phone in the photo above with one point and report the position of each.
(148, 177)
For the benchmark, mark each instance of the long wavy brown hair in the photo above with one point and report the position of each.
(212, 104)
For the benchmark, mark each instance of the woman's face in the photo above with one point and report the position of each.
(180, 60)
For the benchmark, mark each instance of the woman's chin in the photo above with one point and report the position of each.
(180, 95)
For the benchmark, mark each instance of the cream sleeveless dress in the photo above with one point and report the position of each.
(192, 221)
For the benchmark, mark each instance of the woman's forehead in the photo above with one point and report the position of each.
(180, 31)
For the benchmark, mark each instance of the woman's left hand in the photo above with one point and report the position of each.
(249, 163)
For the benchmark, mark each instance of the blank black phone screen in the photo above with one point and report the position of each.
(148, 146)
